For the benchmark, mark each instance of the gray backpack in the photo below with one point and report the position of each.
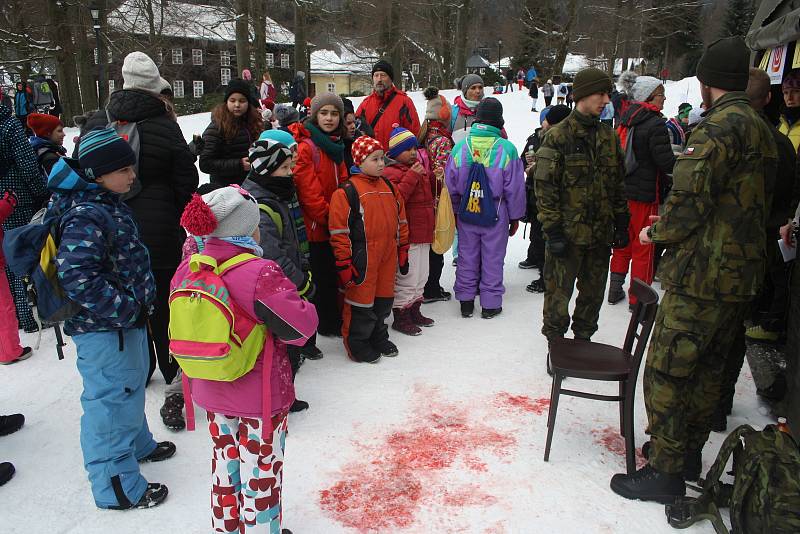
(129, 131)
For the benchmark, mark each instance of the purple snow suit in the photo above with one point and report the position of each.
(482, 250)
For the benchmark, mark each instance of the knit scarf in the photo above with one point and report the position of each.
(467, 107)
(333, 146)
(282, 186)
(245, 242)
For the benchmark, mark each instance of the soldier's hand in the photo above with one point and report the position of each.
(644, 239)
(556, 243)
(786, 235)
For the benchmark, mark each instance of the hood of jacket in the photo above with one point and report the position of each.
(66, 178)
(135, 105)
(40, 142)
(637, 113)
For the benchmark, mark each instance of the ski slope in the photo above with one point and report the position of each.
(448, 437)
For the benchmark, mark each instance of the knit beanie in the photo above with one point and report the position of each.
(490, 111)
(307, 102)
(644, 87)
(725, 65)
(363, 147)
(468, 81)
(43, 124)
(243, 88)
(327, 99)
(225, 212)
(590, 81)
(266, 155)
(280, 136)
(684, 110)
(437, 108)
(383, 66)
(102, 151)
(791, 80)
(400, 140)
(266, 115)
(286, 114)
(140, 72)
(348, 106)
(556, 114)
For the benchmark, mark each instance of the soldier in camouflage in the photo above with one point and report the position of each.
(714, 229)
(579, 185)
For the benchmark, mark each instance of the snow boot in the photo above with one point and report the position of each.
(528, 264)
(488, 313)
(153, 496)
(311, 352)
(6, 472)
(163, 451)
(403, 322)
(172, 412)
(758, 334)
(467, 308)
(439, 295)
(386, 348)
(416, 315)
(11, 423)
(27, 352)
(298, 406)
(648, 484)
(615, 291)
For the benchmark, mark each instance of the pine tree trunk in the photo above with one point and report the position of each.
(300, 49)
(84, 57)
(393, 37)
(242, 35)
(565, 37)
(462, 28)
(258, 10)
(614, 52)
(66, 70)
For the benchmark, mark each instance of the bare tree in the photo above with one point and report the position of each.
(242, 9)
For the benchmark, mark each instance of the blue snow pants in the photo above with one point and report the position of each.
(114, 432)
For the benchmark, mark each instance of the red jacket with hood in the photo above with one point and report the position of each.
(400, 110)
(417, 194)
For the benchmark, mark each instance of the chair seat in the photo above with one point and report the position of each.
(586, 359)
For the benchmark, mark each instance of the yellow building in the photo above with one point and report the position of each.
(342, 73)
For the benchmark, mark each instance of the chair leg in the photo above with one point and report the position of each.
(551, 413)
(630, 446)
(622, 385)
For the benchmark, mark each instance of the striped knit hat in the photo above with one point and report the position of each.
(280, 136)
(363, 147)
(400, 140)
(102, 151)
(266, 155)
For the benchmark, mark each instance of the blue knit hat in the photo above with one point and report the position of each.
(400, 140)
(280, 136)
(102, 151)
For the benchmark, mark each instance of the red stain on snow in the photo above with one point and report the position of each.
(409, 469)
(522, 402)
(610, 438)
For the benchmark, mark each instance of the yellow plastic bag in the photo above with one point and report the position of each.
(445, 225)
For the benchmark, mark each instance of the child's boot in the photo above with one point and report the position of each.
(403, 323)
(416, 315)
(172, 412)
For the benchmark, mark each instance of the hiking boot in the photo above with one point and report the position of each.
(386, 348)
(537, 286)
(11, 423)
(163, 451)
(27, 352)
(488, 313)
(719, 421)
(172, 412)
(153, 496)
(467, 308)
(648, 484)
(439, 295)
(6, 472)
(615, 291)
(311, 353)
(403, 323)
(528, 264)
(416, 315)
(298, 406)
(775, 391)
(757, 334)
(692, 461)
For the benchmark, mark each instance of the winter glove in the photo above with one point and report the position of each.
(10, 197)
(307, 288)
(346, 272)
(512, 228)
(621, 237)
(556, 242)
(402, 260)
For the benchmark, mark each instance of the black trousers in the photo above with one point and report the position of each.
(436, 264)
(326, 299)
(536, 247)
(368, 330)
(547, 100)
(158, 328)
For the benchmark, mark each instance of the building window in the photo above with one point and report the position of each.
(160, 55)
(111, 86)
(225, 58)
(415, 68)
(331, 87)
(197, 56)
(225, 76)
(197, 88)
(284, 61)
(483, 71)
(252, 58)
(177, 88)
(177, 56)
(110, 56)
(270, 59)
(95, 56)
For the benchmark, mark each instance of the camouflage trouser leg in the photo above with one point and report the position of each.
(684, 373)
(733, 367)
(587, 266)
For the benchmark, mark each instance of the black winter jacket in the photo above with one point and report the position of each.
(222, 159)
(166, 172)
(653, 153)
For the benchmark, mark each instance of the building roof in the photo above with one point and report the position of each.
(191, 21)
(350, 60)
(477, 61)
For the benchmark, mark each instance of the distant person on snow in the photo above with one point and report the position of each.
(510, 77)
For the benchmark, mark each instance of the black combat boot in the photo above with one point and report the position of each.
(615, 291)
(648, 484)
(692, 461)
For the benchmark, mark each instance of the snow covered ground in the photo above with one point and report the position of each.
(448, 437)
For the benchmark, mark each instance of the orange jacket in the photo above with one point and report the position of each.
(315, 188)
(384, 221)
(400, 110)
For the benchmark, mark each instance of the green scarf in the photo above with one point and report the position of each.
(334, 149)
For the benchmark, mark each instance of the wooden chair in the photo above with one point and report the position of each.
(598, 361)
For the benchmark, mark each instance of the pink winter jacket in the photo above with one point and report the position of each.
(262, 290)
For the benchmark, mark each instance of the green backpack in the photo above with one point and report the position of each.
(765, 495)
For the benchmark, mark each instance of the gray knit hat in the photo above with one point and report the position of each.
(140, 72)
(326, 99)
(468, 81)
(225, 212)
(286, 114)
(644, 87)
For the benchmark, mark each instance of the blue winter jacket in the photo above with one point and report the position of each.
(21, 106)
(105, 270)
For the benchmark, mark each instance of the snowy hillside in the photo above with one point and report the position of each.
(446, 438)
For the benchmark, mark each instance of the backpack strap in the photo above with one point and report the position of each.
(314, 153)
(352, 196)
(235, 261)
(382, 110)
(274, 215)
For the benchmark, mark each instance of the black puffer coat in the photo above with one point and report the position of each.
(222, 159)
(166, 171)
(653, 152)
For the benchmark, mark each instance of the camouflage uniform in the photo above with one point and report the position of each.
(713, 226)
(579, 185)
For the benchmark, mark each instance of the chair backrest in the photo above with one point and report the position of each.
(641, 325)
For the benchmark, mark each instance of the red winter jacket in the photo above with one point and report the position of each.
(401, 110)
(417, 194)
(315, 188)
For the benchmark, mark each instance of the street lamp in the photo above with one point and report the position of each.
(101, 88)
(499, 55)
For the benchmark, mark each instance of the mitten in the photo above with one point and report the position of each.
(556, 242)
(346, 272)
(10, 197)
(512, 228)
(621, 237)
(402, 260)
(307, 288)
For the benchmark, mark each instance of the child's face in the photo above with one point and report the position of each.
(237, 104)
(328, 118)
(285, 169)
(373, 164)
(350, 124)
(408, 157)
(57, 135)
(119, 181)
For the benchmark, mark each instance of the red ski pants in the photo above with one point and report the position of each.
(640, 257)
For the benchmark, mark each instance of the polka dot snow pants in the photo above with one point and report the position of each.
(246, 473)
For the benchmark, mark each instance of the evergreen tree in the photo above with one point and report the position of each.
(738, 18)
